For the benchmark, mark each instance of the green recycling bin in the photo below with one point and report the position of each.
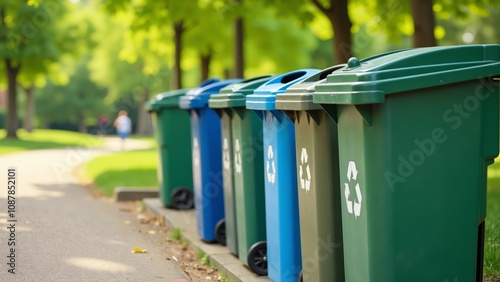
(318, 186)
(172, 130)
(416, 132)
(223, 103)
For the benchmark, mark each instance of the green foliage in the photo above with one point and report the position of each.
(202, 256)
(175, 235)
(79, 99)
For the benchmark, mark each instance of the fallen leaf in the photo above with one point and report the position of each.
(160, 221)
(174, 258)
(126, 222)
(151, 232)
(138, 250)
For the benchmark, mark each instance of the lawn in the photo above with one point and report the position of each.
(45, 139)
(492, 236)
(127, 169)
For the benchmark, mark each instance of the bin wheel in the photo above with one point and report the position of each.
(257, 258)
(181, 198)
(220, 232)
(301, 276)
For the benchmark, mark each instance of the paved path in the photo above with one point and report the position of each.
(63, 234)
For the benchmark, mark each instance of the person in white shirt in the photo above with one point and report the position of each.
(123, 126)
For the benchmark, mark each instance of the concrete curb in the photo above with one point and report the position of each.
(219, 255)
(121, 194)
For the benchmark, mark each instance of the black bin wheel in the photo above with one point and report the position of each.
(181, 198)
(257, 258)
(220, 232)
(301, 276)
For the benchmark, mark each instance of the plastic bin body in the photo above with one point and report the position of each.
(249, 181)
(316, 147)
(227, 164)
(172, 132)
(206, 157)
(282, 212)
(417, 130)
(247, 201)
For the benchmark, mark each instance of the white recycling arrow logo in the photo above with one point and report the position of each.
(271, 169)
(196, 152)
(225, 154)
(352, 174)
(304, 171)
(237, 155)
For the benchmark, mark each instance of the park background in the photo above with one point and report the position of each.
(67, 63)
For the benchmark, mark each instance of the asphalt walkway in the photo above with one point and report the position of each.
(62, 233)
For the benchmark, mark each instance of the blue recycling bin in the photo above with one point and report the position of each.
(207, 162)
(281, 196)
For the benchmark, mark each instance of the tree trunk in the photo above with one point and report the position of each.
(239, 57)
(30, 109)
(11, 121)
(205, 66)
(144, 124)
(423, 23)
(342, 31)
(177, 74)
(81, 123)
(338, 15)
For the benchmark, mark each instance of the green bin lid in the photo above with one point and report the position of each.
(368, 81)
(300, 95)
(234, 95)
(165, 100)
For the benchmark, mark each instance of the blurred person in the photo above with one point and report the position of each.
(102, 125)
(123, 126)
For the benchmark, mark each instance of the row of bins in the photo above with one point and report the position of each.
(279, 165)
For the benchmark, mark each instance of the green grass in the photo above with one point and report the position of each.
(45, 139)
(127, 169)
(175, 235)
(492, 235)
(150, 139)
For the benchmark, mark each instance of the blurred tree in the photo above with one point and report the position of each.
(129, 64)
(79, 102)
(74, 38)
(424, 23)
(335, 11)
(27, 35)
(418, 18)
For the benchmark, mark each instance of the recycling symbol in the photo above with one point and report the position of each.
(352, 174)
(271, 169)
(196, 152)
(225, 154)
(304, 171)
(237, 155)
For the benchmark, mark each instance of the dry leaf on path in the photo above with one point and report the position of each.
(138, 250)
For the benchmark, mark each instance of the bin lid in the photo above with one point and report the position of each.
(165, 100)
(235, 95)
(198, 97)
(170, 99)
(368, 81)
(300, 95)
(264, 97)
